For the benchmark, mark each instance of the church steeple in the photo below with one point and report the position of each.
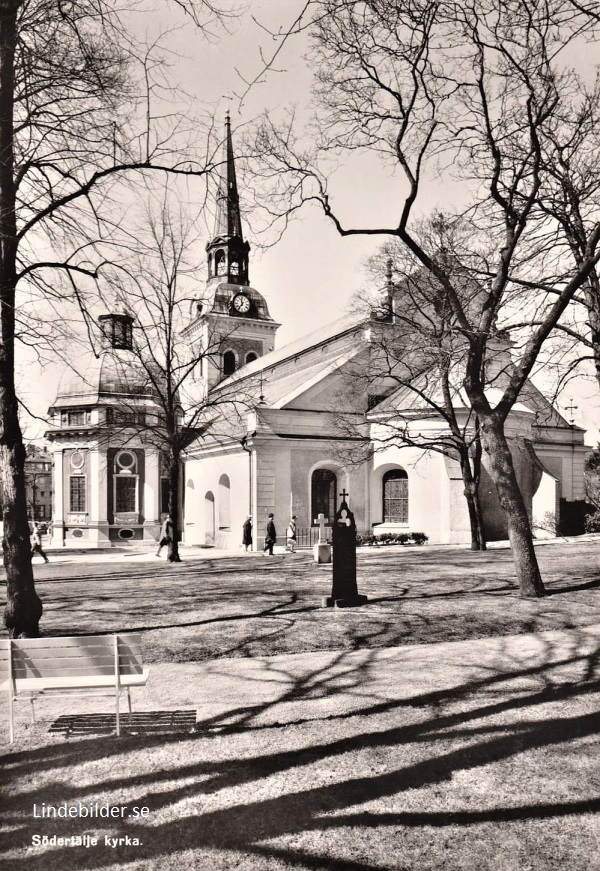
(227, 251)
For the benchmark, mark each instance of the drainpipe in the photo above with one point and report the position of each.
(244, 445)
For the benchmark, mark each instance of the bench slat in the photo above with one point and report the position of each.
(82, 642)
(21, 658)
(54, 669)
(74, 682)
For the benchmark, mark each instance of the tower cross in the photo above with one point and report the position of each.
(571, 408)
(344, 495)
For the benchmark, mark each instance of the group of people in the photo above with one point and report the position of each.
(270, 535)
(166, 536)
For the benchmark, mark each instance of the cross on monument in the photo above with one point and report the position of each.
(321, 521)
(344, 495)
(571, 408)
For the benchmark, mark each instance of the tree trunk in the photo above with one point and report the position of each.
(511, 499)
(23, 609)
(593, 300)
(472, 497)
(174, 477)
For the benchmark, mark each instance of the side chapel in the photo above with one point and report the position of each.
(282, 452)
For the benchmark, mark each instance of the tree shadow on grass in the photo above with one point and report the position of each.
(450, 714)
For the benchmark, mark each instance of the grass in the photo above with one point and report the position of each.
(477, 754)
(255, 606)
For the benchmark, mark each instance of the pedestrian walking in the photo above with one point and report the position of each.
(291, 535)
(247, 533)
(166, 534)
(271, 536)
(36, 543)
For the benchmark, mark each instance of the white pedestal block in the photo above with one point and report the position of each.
(322, 553)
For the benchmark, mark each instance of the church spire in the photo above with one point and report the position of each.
(228, 221)
(227, 252)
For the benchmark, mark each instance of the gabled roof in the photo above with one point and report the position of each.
(302, 362)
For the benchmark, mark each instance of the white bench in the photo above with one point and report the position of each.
(87, 665)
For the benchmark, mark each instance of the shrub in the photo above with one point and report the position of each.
(592, 522)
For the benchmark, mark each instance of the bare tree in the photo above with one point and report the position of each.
(160, 295)
(481, 90)
(82, 108)
(412, 372)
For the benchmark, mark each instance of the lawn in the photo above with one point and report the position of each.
(342, 753)
(255, 606)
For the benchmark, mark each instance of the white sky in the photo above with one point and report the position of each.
(309, 276)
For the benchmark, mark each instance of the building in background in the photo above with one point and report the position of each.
(38, 482)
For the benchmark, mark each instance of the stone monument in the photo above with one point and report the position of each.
(344, 592)
(322, 550)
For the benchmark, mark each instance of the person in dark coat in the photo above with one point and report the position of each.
(271, 536)
(247, 533)
(166, 534)
(36, 543)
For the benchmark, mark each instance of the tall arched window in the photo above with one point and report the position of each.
(395, 496)
(209, 518)
(228, 363)
(323, 486)
(224, 502)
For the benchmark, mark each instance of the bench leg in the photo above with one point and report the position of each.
(11, 725)
(32, 709)
(129, 699)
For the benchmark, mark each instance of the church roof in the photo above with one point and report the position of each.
(113, 374)
(335, 340)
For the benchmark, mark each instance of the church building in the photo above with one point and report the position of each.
(287, 455)
(274, 444)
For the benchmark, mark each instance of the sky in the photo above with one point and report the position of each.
(309, 276)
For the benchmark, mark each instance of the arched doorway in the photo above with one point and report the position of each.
(209, 518)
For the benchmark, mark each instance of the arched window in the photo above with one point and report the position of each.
(209, 518)
(224, 502)
(234, 267)
(210, 265)
(228, 363)
(251, 356)
(395, 496)
(323, 486)
(220, 265)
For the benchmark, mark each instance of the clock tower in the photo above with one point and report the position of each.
(230, 321)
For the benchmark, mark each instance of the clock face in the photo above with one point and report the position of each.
(241, 303)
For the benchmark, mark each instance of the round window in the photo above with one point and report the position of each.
(126, 533)
(77, 533)
(77, 460)
(126, 460)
